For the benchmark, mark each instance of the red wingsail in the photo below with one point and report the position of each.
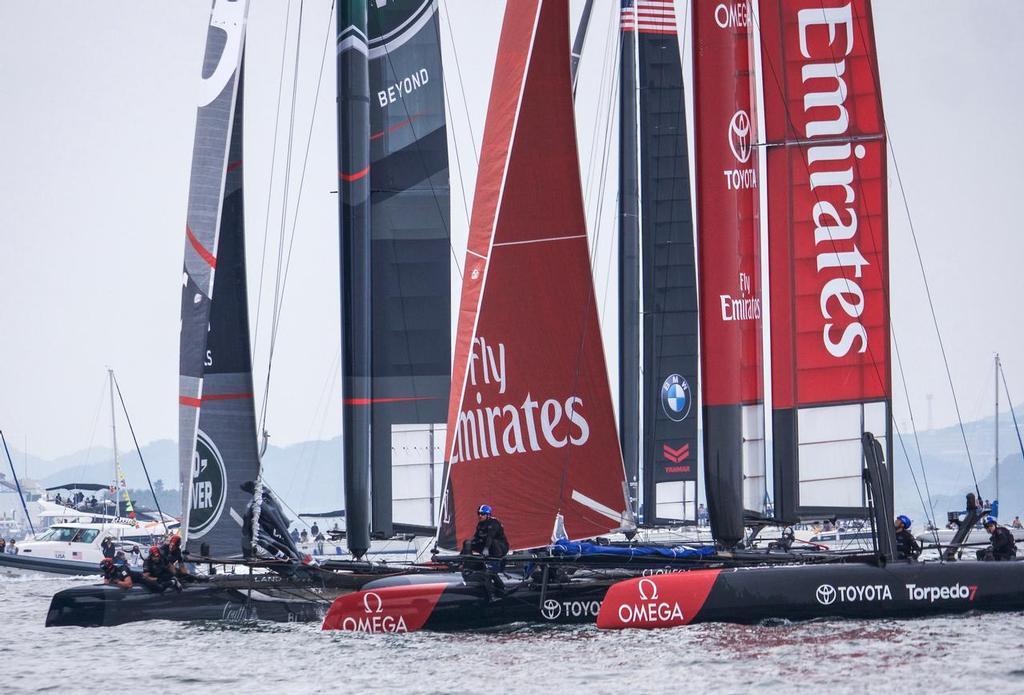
(730, 267)
(531, 426)
(828, 258)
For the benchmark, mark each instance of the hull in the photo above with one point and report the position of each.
(454, 603)
(225, 597)
(804, 592)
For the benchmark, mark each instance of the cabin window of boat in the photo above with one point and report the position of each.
(86, 535)
(63, 534)
(46, 536)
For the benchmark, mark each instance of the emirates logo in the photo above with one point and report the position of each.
(739, 136)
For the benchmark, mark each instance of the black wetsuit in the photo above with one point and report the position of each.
(117, 572)
(907, 547)
(489, 539)
(159, 571)
(1003, 545)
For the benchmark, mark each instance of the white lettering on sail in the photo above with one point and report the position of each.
(512, 429)
(744, 307)
(732, 14)
(831, 176)
(404, 86)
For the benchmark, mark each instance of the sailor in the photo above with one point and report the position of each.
(1003, 545)
(156, 571)
(489, 538)
(108, 547)
(171, 550)
(907, 547)
(115, 571)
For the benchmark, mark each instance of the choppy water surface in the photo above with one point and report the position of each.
(974, 653)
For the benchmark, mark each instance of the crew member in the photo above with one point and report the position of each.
(171, 550)
(1003, 546)
(489, 538)
(907, 547)
(116, 572)
(156, 571)
(108, 547)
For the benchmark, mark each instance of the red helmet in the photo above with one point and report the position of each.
(106, 562)
(154, 550)
(175, 541)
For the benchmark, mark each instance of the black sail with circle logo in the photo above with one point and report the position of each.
(217, 424)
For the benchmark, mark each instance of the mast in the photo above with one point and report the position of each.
(17, 484)
(577, 44)
(997, 425)
(354, 193)
(113, 435)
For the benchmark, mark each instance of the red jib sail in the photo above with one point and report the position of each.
(531, 425)
(730, 267)
(828, 259)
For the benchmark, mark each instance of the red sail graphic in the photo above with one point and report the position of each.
(827, 203)
(727, 193)
(827, 249)
(531, 426)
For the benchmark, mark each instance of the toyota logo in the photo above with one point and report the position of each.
(739, 136)
(551, 609)
(369, 598)
(826, 594)
(653, 595)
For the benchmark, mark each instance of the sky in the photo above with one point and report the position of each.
(96, 127)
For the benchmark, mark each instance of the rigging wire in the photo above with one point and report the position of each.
(270, 184)
(142, 460)
(930, 507)
(1009, 401)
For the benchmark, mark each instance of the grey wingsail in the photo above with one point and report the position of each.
(217, 427)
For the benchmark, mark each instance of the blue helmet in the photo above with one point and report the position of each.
(990, 520)
(905, 520)
(484, 509)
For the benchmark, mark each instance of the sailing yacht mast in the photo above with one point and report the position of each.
(997, 425)
(113, 435)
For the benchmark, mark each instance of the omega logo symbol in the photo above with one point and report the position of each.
(644, 596)
(739, 136)
(373, 603)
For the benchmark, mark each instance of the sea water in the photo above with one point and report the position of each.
(969, 653)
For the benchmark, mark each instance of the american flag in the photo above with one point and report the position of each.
(649, 16)
(75, 555)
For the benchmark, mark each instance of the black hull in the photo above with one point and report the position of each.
(806, 592)
(226, 597)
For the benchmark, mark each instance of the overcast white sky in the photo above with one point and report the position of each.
(97, 111)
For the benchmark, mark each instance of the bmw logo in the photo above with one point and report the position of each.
(676, 398)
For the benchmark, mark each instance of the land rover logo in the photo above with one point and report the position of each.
(826, 594)
(209, 489)
(551, 609)
(675, 398)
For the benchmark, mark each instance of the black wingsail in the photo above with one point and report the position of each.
(395, 260)
(657, 265)
(217, 438)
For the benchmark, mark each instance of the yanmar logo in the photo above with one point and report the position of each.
(374, 619)
(941, 593)
(649, 608)
(826, 594)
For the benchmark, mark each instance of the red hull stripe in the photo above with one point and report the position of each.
(200, 249)
(372, 401)
(354, 177)
(195, 402)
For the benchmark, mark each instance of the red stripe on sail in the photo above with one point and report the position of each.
(203, 253)
(353, 177)
(232, 166)
(402, 124)
(372, 401)
(196, 402)
(532, 426)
